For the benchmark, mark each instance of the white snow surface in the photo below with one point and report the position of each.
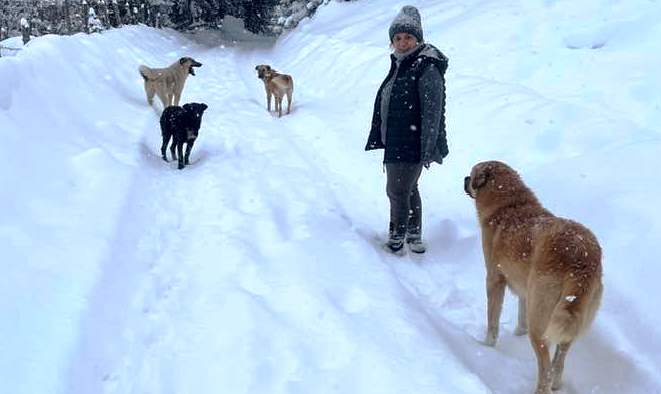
(258, 269)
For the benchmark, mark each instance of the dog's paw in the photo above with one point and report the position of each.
(520, 330)
(490, 339)
(557, 385)
(180, 166)
(164, 158)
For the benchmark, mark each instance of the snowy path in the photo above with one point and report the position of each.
(271, 227)
(176, 309)
(258, 268)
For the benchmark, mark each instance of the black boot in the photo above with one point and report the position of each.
(396, 238)
(415, 243)
(414, 235)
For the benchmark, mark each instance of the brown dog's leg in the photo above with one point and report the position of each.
(163, 96)
(495, 294)
(522, 326)
(289, 102)
(558, 364)
(151, 91)
(540, 302)
(543, 362)
(278, 105)
(268, 100)
(176, 94)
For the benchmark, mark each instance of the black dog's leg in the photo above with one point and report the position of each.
(164, 147)
(189, 146)
(180, 149)
(173, 147)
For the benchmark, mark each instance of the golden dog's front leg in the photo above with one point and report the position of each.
(268, 100)
(495, 293)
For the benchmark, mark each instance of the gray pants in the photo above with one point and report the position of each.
(405, 203)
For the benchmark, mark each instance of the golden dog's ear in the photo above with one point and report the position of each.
(183, 60)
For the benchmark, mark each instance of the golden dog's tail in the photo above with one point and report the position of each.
(575, 310)
(576, 255)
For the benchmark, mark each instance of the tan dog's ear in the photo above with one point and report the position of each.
(183, 60)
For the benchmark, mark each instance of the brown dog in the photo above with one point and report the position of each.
(168, 83)
(552, 264)
(277, 85)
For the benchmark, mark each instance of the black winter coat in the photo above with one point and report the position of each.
(404, 132)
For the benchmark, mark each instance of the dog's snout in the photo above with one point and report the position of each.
(467, 182)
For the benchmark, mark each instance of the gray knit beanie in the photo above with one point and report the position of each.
(407, 21)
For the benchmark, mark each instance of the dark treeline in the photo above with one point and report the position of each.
(38, 17)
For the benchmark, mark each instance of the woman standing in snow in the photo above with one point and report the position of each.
(409, 123)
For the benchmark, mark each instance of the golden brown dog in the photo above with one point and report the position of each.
(277, 85)
(552, 264)
(168, 83)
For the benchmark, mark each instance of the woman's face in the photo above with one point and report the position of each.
(404, 42)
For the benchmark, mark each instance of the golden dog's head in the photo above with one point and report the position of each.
(264, 71)
(494, 180)
(189, 63)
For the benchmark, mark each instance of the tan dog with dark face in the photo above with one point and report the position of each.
(552, 264)
(168, 83)
(277, 85)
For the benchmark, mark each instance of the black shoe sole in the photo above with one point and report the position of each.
(395, 249)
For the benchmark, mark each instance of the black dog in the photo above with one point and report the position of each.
(183, 125)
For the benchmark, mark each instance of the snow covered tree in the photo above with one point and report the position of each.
(256, 14)
(67, 16)
(26, 30)
(101, 8)
(114, 16)
(288, 13)
(85, 9)
(3, 29)
(72, 16)
(93, 23)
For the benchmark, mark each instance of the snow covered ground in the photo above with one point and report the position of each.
(257, 269)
